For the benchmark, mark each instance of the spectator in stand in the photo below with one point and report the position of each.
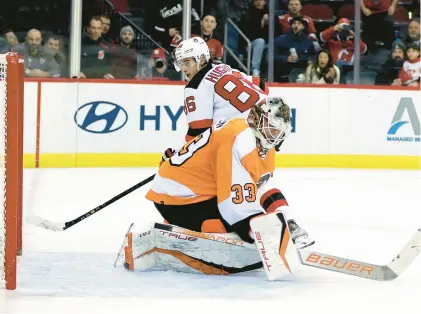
(39, 62)
(339, 40)
(105, 26)
(390, 69)
(322, 71)
(156, 67)
(233, 9)
(410, 73)
(164, 21)
(55, 45)
(4, 46)
(11, 38)
(377, 23)
(294, 8)
(413, 35)
(96, 55)
(125, 61)
(255, 27)
(294, 49)
(207, 32)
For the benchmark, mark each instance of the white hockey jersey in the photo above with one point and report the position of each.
(218, 92)
(411, 72)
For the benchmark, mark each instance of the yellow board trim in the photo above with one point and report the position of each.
(282, 161)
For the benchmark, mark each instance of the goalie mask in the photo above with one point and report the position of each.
(270, 121)
(192, 48)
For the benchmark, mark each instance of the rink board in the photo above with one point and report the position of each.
(126, 124)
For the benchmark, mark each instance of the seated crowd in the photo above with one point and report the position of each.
(313, 43)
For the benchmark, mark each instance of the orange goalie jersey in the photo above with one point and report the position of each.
(222, 162)
(218, 92)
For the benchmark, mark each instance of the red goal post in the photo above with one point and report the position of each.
(11, 165)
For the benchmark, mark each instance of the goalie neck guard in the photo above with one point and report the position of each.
(270, 121)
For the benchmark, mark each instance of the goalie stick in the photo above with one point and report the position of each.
(347, 266)
(61, 226)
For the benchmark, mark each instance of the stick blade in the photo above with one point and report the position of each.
(365, 270)
(45, 224)
(407, 255)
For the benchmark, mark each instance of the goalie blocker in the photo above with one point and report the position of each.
(168, 247)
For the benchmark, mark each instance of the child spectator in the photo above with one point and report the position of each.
(411, 69)
(323, 71)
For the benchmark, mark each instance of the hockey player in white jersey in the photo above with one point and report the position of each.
(213, 92)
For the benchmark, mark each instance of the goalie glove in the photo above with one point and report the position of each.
(167, 154)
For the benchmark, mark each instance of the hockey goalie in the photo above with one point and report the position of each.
(222, 213)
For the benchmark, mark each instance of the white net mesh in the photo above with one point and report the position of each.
(3, 132)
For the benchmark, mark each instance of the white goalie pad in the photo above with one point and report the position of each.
(168, 247)
(273, 240)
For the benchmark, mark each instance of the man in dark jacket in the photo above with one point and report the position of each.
(125, 61)
(96, 56)
(255, 27)
(295, 49)
(390, 69)
(164, 20)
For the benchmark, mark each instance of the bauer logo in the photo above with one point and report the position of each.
(101, 117)
(405, 125)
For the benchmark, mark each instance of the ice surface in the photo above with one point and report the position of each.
(366, 215)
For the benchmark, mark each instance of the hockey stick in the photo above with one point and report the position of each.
(61, 226)
(365, 270)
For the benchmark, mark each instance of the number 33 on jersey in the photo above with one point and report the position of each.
(218, 92)
(222, 162)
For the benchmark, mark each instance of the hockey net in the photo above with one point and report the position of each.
(11, 166)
